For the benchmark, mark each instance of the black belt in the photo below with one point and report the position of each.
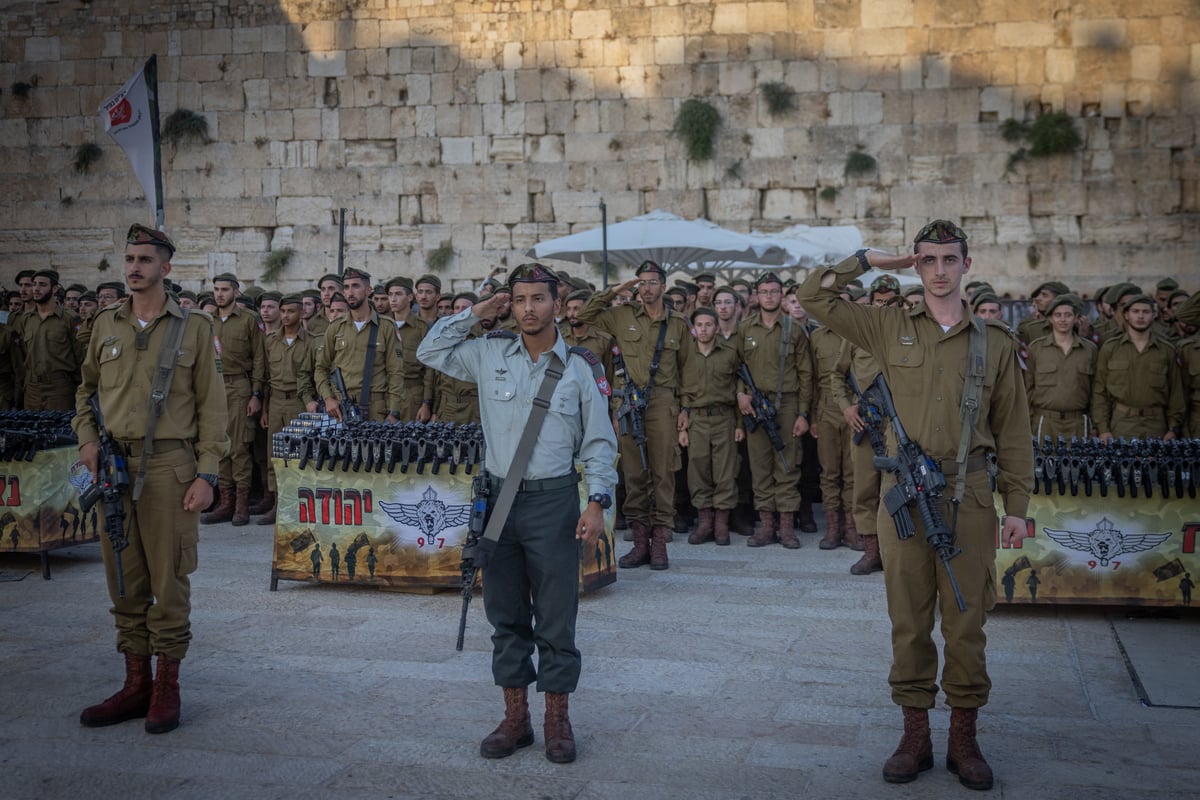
(540, 485)
(134, 449)
(50, 378)
(235, 378)
(974, 464)
(711, 411)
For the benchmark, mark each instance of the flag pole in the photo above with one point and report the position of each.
(604, 238)
(151, 74)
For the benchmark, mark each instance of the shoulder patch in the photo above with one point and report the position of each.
(597, 368)
(501, 334)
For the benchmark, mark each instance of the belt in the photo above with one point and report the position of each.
(540, 485)
(52, 377)
(134, 449)
(236, 378)
(284, 395)
(1052, 414)
(712, 411)
(974, 464)
(1130, 411)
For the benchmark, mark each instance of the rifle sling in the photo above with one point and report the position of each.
(520, 460)
(163, 373)
(364, 401)
(658, 348)
(784, 341)
(968, 411)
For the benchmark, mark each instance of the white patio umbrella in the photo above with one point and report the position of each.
(673, 242)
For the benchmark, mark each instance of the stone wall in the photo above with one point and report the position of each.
(493, 125)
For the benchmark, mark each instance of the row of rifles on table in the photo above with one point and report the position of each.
(320, 442)
(1128, 468)
(24, 433)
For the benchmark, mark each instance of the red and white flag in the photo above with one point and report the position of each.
(130, 117)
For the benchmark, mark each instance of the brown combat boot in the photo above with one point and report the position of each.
(851, 537)
(163, 715)
(514, 731)
(224, 510)
(640, 554)
(264, 504)
(704, 527)
(914, 755)
(765, 535)
(268, 517)
(658, 547)
(834, 533)
(241, 506)
(721, 526)
(560, 739)
(870, 561)
(805, 520)
(787, 535)
(131, 702)
(963, 757)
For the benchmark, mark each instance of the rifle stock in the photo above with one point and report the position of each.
(112, 479)
(764, 416)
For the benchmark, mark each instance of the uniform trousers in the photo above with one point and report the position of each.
(866, 486)
(774, 488)
(917, 585)
(1130, 423)
(53, 395)
(531, 592)
(1057, 423)
(414, 396)
(650, 493)
(712, 457)
(280, 412)
(153, 617)
(238, 467)
(834, 442)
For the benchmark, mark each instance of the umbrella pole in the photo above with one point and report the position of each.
(604, 239)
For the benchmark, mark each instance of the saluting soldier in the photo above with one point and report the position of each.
(1138, 391)
(1059, 372)
(779, 358)
(924, 354)
(419, 380)
(653, 341)
(244, 370)
(48, 335)
(456, 400)
(831, 359)
(291, 361)
(708, 391)
(362, 345)
(578, 333)
(190, 439)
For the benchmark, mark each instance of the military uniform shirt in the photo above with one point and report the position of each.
(242, 352)
(290, 366)
(710, 380)
(1058, 381)
(577, 424)
(758, 346)
(1189, 354)
(1034, 328)
(51, 344)
(346, 347)
(637, 334)
(829, 359)
(1149, 379)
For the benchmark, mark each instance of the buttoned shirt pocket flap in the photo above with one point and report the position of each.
(905, 366)
(109, 364)
(185, 359)
(502, 391)
(1046, 372)
(340, 343)
(565, 399)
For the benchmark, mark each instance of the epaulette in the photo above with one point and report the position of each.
(1019, 347)
(597, 368)
(201, 313)
(501, 334)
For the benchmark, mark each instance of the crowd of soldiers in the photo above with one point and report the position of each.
(696, 462)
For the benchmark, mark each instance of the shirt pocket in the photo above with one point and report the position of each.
(905, 367)
(1046, 373)
(110, 367)
(1156, 376)
(1118, 376)
(565, 399)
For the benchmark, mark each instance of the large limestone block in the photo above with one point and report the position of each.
(302, 210)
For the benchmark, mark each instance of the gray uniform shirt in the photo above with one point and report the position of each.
(576, 426)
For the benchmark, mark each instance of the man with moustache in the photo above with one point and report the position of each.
(419, 380)
(329, 285)
(428, 292)
(177, 471)
(51, 347)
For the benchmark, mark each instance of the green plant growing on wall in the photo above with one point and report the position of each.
(829, 193)
(1051, 133)
(439, 258)
(21, 89)
(696, 123)
(103, 265)
(185, 127)
(859, 163)
(86, 155)
(276, 262)
(780, 97)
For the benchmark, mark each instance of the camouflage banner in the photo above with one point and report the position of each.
(39, 503)
(1102, 551)
(403, 529)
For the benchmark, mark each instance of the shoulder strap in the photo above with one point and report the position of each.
(972, 398)
(784, 340)
(364, 399)
(516, 469)
(597, 368)
(658, 348)
(163, 373)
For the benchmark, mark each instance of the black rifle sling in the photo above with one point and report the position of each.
(520, 460)
(784, 341)
(364, 400)
(163, 373)
(658, 348)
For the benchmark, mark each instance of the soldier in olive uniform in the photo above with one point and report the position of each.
(835, 440)
(347, 347)
(708, 391)
(762, 337)
(1037, 326)
(189, 441)
(578, 333)
(291, 361)
(428, 291)
(1138, 391)
(1059, 372)
(924, 355)
(48, 336)
(244, 370)
(419, 380)
(457, 400)
(328, 286)
(649, 492)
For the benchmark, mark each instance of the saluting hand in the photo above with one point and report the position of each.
(888, 262)
(488, 308)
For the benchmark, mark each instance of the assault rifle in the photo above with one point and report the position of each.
(631, 416)
(109, 489)
(763, 416)
(919, 481)
(474, 551)
(350, 409)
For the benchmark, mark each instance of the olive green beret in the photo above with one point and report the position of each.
(228, 277)
(1066, 299)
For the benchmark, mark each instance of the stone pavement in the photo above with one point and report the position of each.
(738, 673)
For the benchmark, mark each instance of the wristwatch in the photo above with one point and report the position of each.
(604, 500)
(208, 478)
(861, 255)
(257, 393)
